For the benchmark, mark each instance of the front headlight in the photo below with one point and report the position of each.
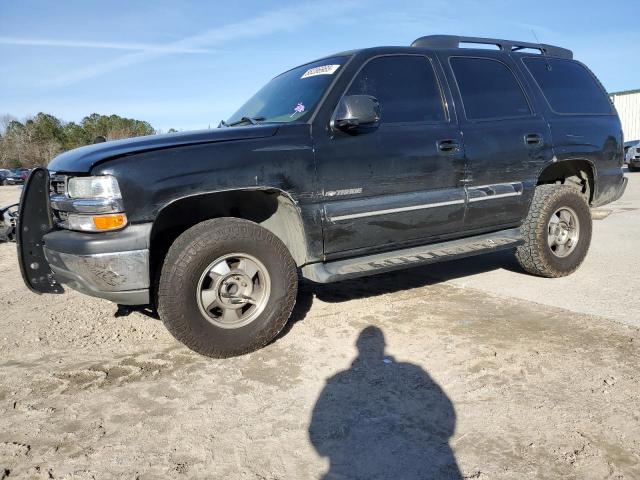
(94, 187)
(91, 204)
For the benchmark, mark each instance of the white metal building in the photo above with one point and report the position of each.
(628, 105)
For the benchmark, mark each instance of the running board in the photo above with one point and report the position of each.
(412, 257)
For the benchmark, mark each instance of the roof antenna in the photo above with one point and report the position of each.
(544, 55)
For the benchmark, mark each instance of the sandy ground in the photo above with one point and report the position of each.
(395, 376)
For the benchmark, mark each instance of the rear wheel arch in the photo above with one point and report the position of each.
(577, 171)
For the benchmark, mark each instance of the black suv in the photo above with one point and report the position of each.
(362, 162)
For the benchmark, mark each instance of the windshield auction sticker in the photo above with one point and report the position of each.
(323, 70)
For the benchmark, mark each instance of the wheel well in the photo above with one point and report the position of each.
(270, 208)
(577, 172)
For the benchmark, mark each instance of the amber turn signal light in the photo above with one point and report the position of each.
(109, 222)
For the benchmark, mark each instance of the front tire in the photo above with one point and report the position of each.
(227, 287)
(632, 168)
(556, 232)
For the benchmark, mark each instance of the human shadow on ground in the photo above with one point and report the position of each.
(384, 419)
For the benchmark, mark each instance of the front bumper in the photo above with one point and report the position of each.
(113, 266)
(119, 277)
(110, 265)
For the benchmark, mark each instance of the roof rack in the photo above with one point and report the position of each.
(454, 41)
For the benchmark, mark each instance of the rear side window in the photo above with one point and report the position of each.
(405, 86)
(488, 89)
(568, 86)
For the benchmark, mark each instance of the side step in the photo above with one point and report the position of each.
(412, 257)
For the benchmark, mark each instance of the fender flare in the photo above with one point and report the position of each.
(286, 221)
(555, 161)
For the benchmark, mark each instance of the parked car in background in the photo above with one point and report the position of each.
(17, 176)
(632, 155)
(4, 173)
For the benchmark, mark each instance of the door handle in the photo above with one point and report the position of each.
(448, 145)
(532, 139)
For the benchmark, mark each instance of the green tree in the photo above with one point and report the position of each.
(38, 139)
(75, 136)
(114, 127)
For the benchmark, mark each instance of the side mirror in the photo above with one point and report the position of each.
(356, 114)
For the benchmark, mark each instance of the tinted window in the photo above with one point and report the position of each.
(568, 86)
(488, 89)
(405, 86)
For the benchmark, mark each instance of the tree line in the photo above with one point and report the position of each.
(36, 140)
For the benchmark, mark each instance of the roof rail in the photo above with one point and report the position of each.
(454, 41)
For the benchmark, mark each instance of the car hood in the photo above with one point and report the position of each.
(83, 159)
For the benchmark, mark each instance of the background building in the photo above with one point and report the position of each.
(628, 105)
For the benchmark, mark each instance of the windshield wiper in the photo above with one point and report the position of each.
(251, 120)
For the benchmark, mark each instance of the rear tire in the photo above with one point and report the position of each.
(556, 232)
(227, 287)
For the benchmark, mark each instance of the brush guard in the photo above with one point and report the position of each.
(34, 222)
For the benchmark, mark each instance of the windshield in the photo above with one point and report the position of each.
(292, 96)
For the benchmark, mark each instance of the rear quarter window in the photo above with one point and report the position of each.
(568, 86)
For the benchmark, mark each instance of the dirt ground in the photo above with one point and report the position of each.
(401, 375)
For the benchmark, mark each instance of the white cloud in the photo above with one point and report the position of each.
(140, 47)
(287, 19)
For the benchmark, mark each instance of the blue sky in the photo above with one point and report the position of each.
(188, 64)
